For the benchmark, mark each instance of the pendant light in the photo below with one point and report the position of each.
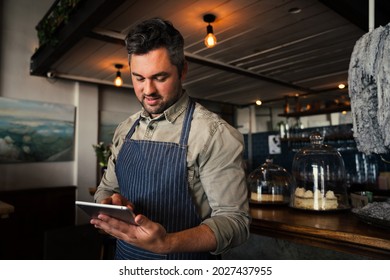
(210, 40)
(118, 79)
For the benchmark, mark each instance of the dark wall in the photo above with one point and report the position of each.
(36, 212)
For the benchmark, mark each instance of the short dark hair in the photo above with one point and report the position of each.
(155, 33)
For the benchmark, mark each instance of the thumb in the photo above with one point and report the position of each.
(141, 220)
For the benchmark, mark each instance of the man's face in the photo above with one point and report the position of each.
(156, 80)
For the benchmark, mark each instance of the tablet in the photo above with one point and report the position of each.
(116, 211)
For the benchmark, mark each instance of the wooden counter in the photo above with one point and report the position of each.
(340, 231)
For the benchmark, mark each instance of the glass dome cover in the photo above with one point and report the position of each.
(320, 177)
(270, 184)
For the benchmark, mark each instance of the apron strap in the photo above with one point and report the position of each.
(132, 129)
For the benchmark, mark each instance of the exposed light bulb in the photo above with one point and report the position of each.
(210, 40)
(258, 102)
(118, 80)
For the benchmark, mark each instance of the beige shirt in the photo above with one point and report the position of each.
(215, 167)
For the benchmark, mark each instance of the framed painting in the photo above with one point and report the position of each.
(33, 131)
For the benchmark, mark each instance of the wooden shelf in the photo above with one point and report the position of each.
(343, 137)
(317, 112)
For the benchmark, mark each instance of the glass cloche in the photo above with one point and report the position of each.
(320, 177)
(270, 184)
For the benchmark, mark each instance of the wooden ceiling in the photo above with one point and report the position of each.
(265, 51)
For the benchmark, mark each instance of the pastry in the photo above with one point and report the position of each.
(306, 199)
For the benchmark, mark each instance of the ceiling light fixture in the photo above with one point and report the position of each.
(210, 40)
(341, 86)
(118, 79)
(258, 102)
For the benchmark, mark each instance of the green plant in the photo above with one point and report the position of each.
(58, 15)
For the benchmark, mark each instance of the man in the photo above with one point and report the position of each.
(176, 164)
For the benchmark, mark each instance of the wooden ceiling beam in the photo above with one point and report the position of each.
(210, 63)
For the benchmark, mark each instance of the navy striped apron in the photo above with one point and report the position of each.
(153, 176)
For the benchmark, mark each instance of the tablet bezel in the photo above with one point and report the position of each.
(122, 213)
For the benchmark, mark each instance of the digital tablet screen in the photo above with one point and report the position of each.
(116, 211)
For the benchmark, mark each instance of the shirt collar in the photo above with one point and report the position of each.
(173, 112)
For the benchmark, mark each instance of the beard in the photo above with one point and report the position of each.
(158, 104)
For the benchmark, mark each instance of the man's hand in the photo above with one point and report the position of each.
(152, 236)
(146, 234)
(117, 199)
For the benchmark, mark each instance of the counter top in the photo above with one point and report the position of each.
(340, 230)
(5, 209)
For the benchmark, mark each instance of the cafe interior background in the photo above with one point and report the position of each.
(290, 56)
